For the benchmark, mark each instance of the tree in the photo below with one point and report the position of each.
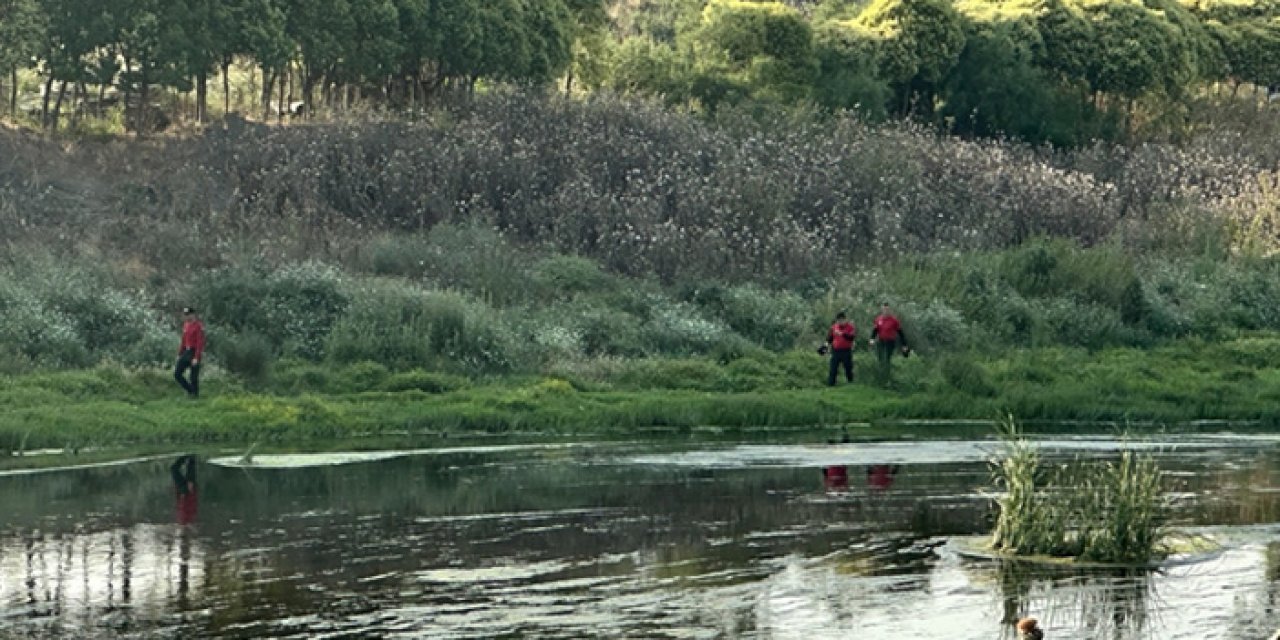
(589, 52)
(764, 48)
(323, 30)
(849, 70)
(372, 54)
(23, 28)
(920, 42)
(996, 88)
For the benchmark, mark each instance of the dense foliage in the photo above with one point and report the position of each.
(1061, 71)
(518, 235)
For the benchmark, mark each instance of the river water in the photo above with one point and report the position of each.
(671, 540)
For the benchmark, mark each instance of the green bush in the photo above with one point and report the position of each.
(396, 255)
(294, 307)
(301, 377)
(685, 373)
(62, 314)
(405, 327)
(934, 326)
(249, 354)
(38, 333)
(476, 259)
(603, 331)
(563, 275)
(679, 329)
(964, 375)
(362, 376)
(775, 320)
(1091, 326)
(427, 381)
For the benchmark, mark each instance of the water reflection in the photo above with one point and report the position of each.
(572, 543)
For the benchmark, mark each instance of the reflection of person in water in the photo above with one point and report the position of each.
(880, 476)
(836, 477)
(184, 486)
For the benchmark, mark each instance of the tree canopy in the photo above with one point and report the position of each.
(1036, 69)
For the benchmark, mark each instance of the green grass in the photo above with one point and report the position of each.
(1168, 387)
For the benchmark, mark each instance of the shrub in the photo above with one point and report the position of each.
(294, 307)
(563, 275)
(772, 319)
(476, 259)
(685, 373)
(249, 354)
(42, 335)
(600, 330)
(427, 381)
(964, 375)
(395, 255)
(933, 326)
(301, 377)
(678, 329)
(1068, 322)
(406, 327)
(362, 376)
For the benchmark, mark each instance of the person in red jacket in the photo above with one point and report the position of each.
(190, 352)
(887, 337)
(840, 339)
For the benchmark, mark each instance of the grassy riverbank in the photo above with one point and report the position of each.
(498, 267)
(1170, 385)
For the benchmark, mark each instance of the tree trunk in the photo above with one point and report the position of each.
(78, 103)
(226, 87)
(13, 92)
(284, 81)
(143, 116)
(128, 92)
(202, 96)
(44, 102)
(57, 107)
(268, 82)
(309, 87)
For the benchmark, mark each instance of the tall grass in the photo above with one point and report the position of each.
(1112, 512)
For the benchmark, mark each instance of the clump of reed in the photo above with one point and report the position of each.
(1110, 512)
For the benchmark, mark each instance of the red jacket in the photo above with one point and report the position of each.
(193, 338)
(841, 335)
(886, 328)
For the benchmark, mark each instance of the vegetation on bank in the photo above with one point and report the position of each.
(524, 264)
(1155, 388)
(1108, 512)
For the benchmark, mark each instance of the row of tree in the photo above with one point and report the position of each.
(1039, 69)
(1057, 70)
(392, 50)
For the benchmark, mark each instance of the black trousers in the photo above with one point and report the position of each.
(184, 362)
(885, 350)
(840, 357)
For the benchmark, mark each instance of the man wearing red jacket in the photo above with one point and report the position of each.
(840, 338)
(190, 352)
(887, 337)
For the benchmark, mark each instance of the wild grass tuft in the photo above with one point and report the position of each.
(1110, 512)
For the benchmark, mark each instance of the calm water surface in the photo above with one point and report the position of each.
(612, 540)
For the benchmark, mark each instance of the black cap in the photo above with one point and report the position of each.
(840, 316)
(188, 310)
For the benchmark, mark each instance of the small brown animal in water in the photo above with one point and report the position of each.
(1029, 629)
